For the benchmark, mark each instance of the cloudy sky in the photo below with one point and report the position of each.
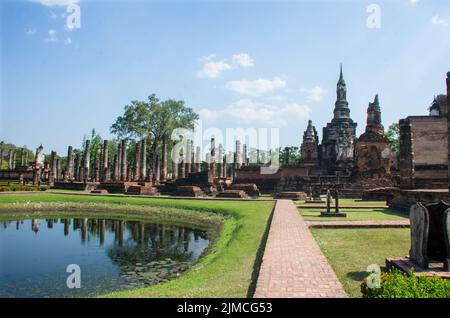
(237, 63)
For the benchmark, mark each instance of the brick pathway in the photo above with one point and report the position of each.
(359, 224)
(293, 265)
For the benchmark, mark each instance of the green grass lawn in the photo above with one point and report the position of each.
(228, 270)
(354, 215)
(350, 251)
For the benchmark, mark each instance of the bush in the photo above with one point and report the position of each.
(396, 284)
(21, 188)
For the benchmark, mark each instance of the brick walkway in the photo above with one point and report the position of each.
(293, 265)
(359, 224)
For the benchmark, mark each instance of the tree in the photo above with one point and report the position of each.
(155, 120)
(393, 134)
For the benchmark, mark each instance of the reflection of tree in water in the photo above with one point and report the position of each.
(134, 241)
(151, 242)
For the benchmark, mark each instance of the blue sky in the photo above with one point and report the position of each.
(237, 63)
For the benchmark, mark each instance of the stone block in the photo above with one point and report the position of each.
(232, 194)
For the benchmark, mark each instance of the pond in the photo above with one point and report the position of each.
(112, 255)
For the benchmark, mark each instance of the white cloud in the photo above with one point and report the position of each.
(51, 36)
(68, 41)
(242, 59)
(212, 68)
(314, 94)
(436, 20)
(413, 2)
(251, 113)
(256, 87)
(54, 3)
(30, 32)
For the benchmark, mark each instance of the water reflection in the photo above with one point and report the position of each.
(113, 255)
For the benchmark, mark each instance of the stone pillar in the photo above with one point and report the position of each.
(208, 165)
(69, 167)
(213, 158)
(119, 159)
(123, 168)
(105, 162)
(224, 166)
(37, 168)
(163, 177)
(143, 159)
(406, 164)
(116, 168)
(130, 175)
(198, 159)
(58, 169)
(97, 168)
(86, 159)
(137, 163)
(220, 161)
(77, 168)
(52, 169)
(157, 174)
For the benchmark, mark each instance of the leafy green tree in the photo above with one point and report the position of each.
(393, 134)
(155, 120)
(294, 155)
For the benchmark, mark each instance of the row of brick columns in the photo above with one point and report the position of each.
(80, 168)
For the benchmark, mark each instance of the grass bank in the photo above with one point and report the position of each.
(228, 270)
(350, 251)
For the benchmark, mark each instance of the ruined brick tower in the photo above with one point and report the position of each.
(374, 148)
(448, 125)
(338, 152)
(309, 149)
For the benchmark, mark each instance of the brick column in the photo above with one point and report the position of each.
(406, 164)
(123, 168)
(163, 177)
(77, 167)
(448, 124)
(97, 168)
(105, 162)
(52, 169)
(137, 164)
(58, 169)
(143, 159)
(116, 168)
(69, 166)
(86, 159)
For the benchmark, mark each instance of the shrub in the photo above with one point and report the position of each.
(21, 188)
(396, 284)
